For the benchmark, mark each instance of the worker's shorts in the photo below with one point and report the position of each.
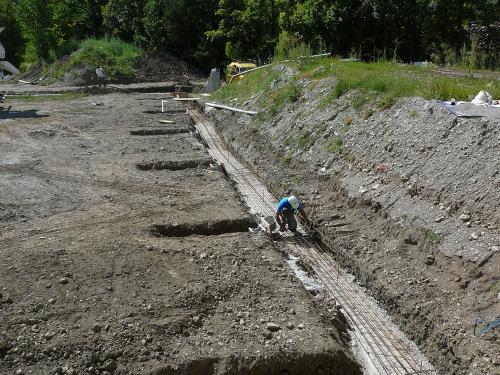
(290, 221)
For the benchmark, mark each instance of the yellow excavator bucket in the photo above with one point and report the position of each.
(236, 68)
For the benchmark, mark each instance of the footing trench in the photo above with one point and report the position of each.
(379, 345)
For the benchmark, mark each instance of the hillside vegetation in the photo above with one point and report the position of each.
(380, 81)
(119, 58)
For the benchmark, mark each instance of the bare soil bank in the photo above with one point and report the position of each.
(109, 268)
(406, 197)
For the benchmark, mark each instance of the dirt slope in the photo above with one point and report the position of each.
(407, 197)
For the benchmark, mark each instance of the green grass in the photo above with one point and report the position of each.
(432, 236)
(289, 93)
(335, 147)
(397, 80)
(45, 98)
(495, 288)
(251, 84)
(386, 101)
(117, 57)
(380, 83)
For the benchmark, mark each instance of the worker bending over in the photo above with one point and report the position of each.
(285, 213)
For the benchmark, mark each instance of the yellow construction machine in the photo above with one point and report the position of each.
(236, 69)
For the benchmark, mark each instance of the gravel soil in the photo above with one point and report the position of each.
(406, 196)
(107, 268)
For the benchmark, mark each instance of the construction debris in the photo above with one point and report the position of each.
(186, 99)
(482, 105)
(220, 106)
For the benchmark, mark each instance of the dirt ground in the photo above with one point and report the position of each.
(124, 249)
(406, 197)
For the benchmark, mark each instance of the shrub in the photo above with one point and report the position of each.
(432, 236)
(335, 147)
(347, 121)
(117, 56)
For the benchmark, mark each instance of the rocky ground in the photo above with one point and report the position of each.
(124, 249)
(406, 196)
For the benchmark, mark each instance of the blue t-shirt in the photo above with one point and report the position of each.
(284, 204)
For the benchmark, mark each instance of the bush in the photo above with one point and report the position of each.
(335, 147)
(118, 58)
(290, 48)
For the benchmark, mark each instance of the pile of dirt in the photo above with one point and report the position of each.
(33, 74)
(406, 197)
(162, 66)
(150, 67)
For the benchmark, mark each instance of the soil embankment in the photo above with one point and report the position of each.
(407, 198)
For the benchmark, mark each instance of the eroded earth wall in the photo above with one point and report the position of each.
(406, 196)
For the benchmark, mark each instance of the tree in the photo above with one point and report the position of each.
(316, 21)
(249, 26)
(35, 18)
(389, 27)
(11, 36)
(178, 27)
(125, 19)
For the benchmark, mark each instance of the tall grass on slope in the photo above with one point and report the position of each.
(398, 80)
(381, 81)
(116, 55)
(239, 91)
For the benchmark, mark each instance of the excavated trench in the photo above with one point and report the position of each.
(327, 362)
(165, 111)
(173, 165)
(382, 347)
(159, 131)
(306, 363)
(207, 228)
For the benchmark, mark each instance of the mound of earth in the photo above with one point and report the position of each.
(150, 67)
(154, 67)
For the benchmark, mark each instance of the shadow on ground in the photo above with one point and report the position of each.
(8, 114)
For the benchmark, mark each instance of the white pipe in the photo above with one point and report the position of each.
(230, 108)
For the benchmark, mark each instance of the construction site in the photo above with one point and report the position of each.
(138, 234)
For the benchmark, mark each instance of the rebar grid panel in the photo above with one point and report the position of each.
(382, 346)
